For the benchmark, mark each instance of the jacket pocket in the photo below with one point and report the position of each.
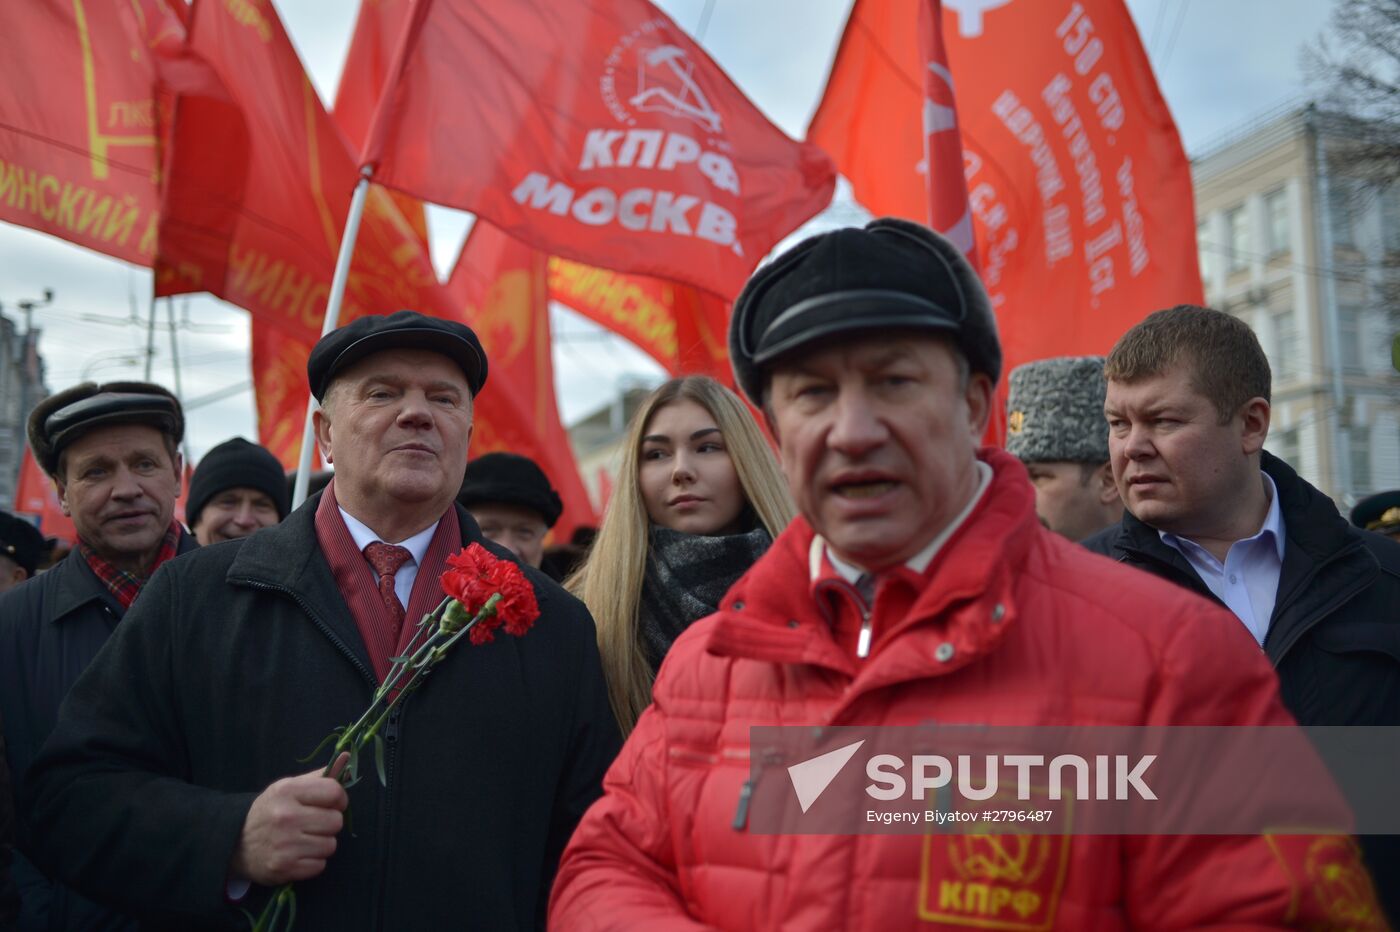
(1381, 636)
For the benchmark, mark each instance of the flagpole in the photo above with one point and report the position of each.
(337, 295)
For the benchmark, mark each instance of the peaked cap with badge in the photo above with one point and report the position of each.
(1054, 411)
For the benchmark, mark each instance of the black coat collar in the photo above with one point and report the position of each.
(76, 585)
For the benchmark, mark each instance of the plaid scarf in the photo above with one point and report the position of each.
(127, 586)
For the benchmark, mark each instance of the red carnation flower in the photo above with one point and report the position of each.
(474, 575)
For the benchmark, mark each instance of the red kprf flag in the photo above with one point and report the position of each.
(594, 130)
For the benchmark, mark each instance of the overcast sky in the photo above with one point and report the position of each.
(1219, 63)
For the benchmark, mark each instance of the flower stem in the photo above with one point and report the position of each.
(352, 735)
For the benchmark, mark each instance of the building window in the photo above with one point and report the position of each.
(1360, 460)
(1339, 212)
(1287, 344)
(1390, 217)
(1237, 225)
(1350, 334)
(1284, 445)
(1203, 255)
(1276, 214)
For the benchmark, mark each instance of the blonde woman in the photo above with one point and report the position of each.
(699, 498)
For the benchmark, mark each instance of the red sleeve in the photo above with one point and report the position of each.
(619, 870)
(1213, 673)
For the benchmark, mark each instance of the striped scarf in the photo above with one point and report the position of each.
(122, 584)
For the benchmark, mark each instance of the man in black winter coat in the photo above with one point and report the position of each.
(1209, 509)
(112, 451)
(9, 896)
(171, 786)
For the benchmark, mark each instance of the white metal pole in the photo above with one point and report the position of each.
(337, 295)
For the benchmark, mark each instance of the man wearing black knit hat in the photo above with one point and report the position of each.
(111, 451)
(236, 489)
(916, 586)
(511, 499)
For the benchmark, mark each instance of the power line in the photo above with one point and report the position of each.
(1157, 26)
(1176, 31)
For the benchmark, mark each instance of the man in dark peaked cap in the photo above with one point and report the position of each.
(112, 452)
(1379, 513)
(22, 548)
(172, 784)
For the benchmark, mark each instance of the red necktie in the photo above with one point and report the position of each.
(386, 560)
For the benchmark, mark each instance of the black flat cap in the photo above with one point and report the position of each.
(891, 274)
(60, 419)
(399, 330)
(21, 542)
(510, 479)
(1379, 512)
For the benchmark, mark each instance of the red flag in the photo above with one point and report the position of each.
(273, 247)
(948, 210)
(35, 495)
(1080, 193)
(279, 379)
(647, 158)
(372, 45)
(267, 240)
(81, 124)
(500, 285)
(683, 328)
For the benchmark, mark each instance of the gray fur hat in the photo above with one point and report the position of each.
(1054, 411)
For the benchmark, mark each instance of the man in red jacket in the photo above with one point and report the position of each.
(918, 585)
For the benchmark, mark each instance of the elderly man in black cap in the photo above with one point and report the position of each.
(236, 489)
(172, 781)
(511, 499)
(916, 585)
(1055, 425)
(21, 549)
(111, 451)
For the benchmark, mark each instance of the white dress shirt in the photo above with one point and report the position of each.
(1247, 582)
(417, 545)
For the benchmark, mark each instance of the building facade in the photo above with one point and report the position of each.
(21, 388)
(1295, 241)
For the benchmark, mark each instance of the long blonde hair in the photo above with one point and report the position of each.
(610, 581)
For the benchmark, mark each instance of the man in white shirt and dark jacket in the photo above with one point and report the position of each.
(172, 782)
(1209, 509)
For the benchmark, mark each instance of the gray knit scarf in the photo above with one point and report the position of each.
(687, 575)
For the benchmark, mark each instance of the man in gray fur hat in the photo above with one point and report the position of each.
(1055, 425)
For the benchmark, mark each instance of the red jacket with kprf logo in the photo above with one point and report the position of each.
(1012, 626)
